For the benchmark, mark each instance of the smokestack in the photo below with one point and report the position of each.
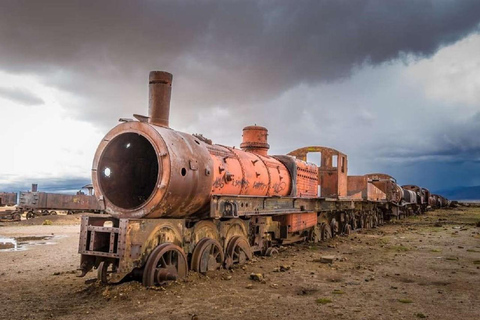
(34, 187)
(160, 89)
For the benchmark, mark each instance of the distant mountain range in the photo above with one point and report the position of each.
(461, 193)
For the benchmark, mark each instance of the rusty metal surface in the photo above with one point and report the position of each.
(255, 140)
(56, 201)
(160, 90)
(421, 199)
(332, 177)
(388, 185)
(297, 221)
(225, 206)
(371, 187)
(137, 165)
(246, 173)
(409, 196)
(8, 198)
(359, 187)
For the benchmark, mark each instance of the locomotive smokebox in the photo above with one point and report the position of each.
(255, 140)
(160, 90)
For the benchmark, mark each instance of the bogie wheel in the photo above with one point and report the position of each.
(207, 256)
(53, 213)
(325, 231)
(104, 270)
(30, 215)
(238, 252)
(167, 262)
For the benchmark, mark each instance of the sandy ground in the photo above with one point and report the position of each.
(421, 267)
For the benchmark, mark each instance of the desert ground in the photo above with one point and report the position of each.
(422, 267)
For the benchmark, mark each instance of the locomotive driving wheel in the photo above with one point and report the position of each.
(30, 215)
(354, 224)
(374, 220)
(362, 222)
(368, 222)
(325, 231)
(105, 268)
(334, 227)
(167, 262)
(380, 218)
(238, 252)
(347, 229)
(207, 256)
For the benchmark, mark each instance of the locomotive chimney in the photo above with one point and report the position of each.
(255, 140)
(160, 89)
(34, 187)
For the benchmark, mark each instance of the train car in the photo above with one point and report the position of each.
(8, 199)
(36, 203)
(421, 197)
(176, 201)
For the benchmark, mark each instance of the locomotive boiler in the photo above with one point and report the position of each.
(177, 202)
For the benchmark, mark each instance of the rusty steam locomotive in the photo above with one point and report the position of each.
(175, 201)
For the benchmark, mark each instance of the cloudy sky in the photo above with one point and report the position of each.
(393, 84)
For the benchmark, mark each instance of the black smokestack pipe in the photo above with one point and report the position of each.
(34, 187)
(160, 90)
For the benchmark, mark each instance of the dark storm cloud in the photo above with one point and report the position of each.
(241, 62)
(457, 142)
(226, 53)
(20, 96)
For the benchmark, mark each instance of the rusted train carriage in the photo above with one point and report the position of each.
(177, 202)
(8, 198)
(44, 203)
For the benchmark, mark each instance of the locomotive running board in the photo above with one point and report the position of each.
(244, 206)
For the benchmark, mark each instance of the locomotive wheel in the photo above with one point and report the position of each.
(362, 222)
(167, 262)
(347, 229)
(30, 215)
(381, 220)
(334, 227)
(53, 213)
(104, 270)
(207, 256)
(17, 216)
(271, 251)
(238, 252)
(374, 220)
(354, 223)
(325, 232)
(369, 222)
(45, 213)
